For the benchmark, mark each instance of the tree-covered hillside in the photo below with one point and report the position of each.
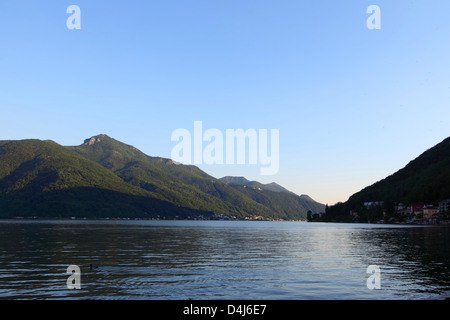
(425, 179)
(104, 177)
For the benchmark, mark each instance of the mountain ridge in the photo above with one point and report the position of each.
(63, 178)
(273, 186)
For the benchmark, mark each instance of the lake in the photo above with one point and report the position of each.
(218, 260)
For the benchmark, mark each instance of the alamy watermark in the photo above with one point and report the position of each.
(236, 146)
(374, 281)
(73, 22)
(374, 21)
(74, 280)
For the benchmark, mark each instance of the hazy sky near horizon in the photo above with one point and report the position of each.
(352, 105)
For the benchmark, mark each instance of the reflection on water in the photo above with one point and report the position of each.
(221, 260)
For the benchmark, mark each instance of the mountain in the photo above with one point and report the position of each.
(104, 177)
(185, 186)
(241, 180)
(275, 197)
(42, 178)
(424, 179)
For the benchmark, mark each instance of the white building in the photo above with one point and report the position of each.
(429, 212)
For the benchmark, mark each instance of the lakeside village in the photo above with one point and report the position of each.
(414, 213)
(371, 212)
(213, 216)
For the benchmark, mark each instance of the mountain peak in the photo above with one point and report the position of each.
(94, 139)
(91, 141)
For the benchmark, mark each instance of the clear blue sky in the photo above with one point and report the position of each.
(353, 105)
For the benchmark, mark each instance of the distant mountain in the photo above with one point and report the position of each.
(104, 177)
(241, 180)
(275, 196)
(425, 179)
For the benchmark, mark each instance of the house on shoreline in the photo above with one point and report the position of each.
(422, 213)
(414, 213)
(444, 206)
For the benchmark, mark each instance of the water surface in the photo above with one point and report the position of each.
(222, 260)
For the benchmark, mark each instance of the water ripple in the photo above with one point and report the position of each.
(221, 260)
